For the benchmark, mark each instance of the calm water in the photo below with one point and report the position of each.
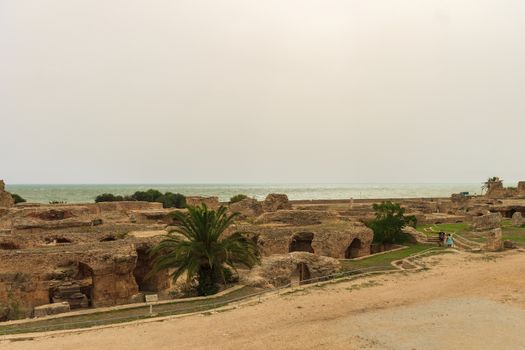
(87, 193)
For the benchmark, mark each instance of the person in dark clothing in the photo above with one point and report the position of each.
(442, 238)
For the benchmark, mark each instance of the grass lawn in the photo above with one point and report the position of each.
(449, 228)
(384, 260)
(513, 233)
(510, 232)
(119, 316)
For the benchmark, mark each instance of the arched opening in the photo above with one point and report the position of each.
(145, 281)
(9, 246)
(85, 279)
(142, 268)
(301, 275)
(510, 213)
(75, 286)
(302, 242)
(353, 249)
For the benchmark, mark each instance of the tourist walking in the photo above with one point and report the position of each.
(450, 240)
(441, 239)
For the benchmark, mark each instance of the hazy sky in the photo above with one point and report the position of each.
(107, 91)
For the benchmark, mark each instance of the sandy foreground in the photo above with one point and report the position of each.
(464, 301)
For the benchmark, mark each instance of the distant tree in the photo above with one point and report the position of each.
(389, 222)
(168, 199)
(150, 195)
(203, 251)
(17, 198)
(238, 198)
(108, 197)
(172, 200)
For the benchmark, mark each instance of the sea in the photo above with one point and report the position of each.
(86, 193)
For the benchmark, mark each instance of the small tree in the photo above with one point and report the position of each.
(17, 198)
(238, 198)
(389, 222)
(172, 200)
(203, 251)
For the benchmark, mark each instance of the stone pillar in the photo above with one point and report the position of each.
(6, 200)
(494, 240)
(517, 219)
(521, 189)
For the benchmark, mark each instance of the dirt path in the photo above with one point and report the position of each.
(463, 302)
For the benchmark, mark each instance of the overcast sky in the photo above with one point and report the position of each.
(107, 91)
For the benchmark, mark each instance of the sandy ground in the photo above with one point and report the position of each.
(463, 302)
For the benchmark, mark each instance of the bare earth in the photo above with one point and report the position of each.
(464, 302)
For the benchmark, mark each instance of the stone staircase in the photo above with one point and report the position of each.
(70, 292)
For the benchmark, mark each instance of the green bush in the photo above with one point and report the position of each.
(238, 198)
(389, 222)
(17, 198)
(108, 197)
(168, 199)
(150, 195)
(172, 200)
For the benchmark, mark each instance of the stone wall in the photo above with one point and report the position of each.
(211, 202)
(487, 222)
(281, 270)
(494, 240)
(276, 201)
(329, 239)
(247, 207)
(521, 189)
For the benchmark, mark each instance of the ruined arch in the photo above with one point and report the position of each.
(73, 283)
(510, 213)
(147, 282)
(353, 249)
(85, 278)
(302, 242)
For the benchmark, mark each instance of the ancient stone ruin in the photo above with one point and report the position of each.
(487, 222)
(6, 200)
(61, 257)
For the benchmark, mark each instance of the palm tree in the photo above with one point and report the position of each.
(203, 251)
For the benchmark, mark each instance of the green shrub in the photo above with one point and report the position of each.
(172, 200)
(168, 199)
(389, 222)
(150, 195)
(108, 197)
(17, 198)
(238, 198)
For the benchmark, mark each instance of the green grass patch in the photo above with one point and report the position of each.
(383, 260)
(126, 315)
(433, 229)
(513, 233)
